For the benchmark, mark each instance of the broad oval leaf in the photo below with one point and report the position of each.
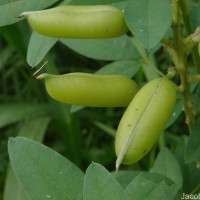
(92, 2)
(44, 173)
(123, 67)
(35, 129)
(194, 17)
(3, 2)
(119, 48)
(14, 112)
(124, 177)
(176, 113)
(148, 20)
(99, 184)
(190, 172)
(10, 10)
(38, 47)
(167, 165)
(192, 152)
(151, 186)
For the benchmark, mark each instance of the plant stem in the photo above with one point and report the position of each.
(194, 78)
(179, 56)
(185, 16)
(182, 69)
(176, 21)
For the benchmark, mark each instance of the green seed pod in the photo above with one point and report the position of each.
(101, 21)
(144, 120)
(90, 89)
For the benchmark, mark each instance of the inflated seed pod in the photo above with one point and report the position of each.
(98, 21)
(90, 89)
(144, 120)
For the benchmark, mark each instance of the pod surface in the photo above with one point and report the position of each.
(91, 90)
(100, 21)
(144, 120)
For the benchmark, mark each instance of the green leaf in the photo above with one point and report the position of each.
(192, 152)
(149, 73)
(3, 2)
(75, 108)
(34, 129)
(119, 48)
(167, 165)
(191, 175)
(69, 126)
(194, 17)
(99, 184)
(5, 55)
(121, 4)
(106, 128)
(44, 173)
(38, 47)
(14, 112)
(148, 20)
(15, 40)
(13, 189)
(10, 10)
(176, 113)
(92, 2)
(123, 67)
(150, 186)
(125, 177)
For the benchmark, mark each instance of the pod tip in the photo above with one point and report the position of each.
(117, 165)
(24, 14)
(41, 76)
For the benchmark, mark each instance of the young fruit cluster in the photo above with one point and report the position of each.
(147, 110)
(144, 119)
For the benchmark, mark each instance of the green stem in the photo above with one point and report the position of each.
(182, 69)
(185, 16)
(179, 56)
(194, 38)
(194, 78)
(176, 21)
(171, 73)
